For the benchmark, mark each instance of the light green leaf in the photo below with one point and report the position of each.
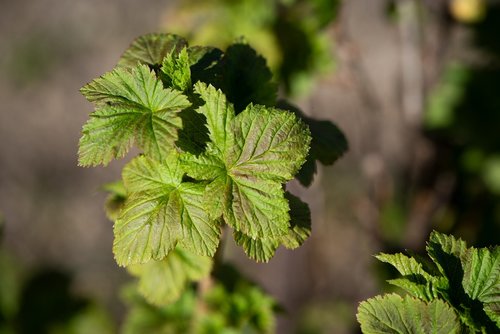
(162, 213)
(162, 282)
(256, 207)
(415, 279)
(132, 106)
(263, 249)
(269, 143)
(404, 264)
(260, 250)
(150, 49)
(481, 279)
(392, 314)
(219, 114)
(145, 174)
(176, 69)
(255, 153)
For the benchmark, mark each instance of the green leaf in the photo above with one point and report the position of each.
(219, 114)
(250, 156)
(415, 279)
(446, 251)
(177, 71)
(404, 264)
(481, 279)
(150, 49)
(263, 249)
(260, 250)
(163, 282)
(162, 212)
(392, 314)
(132, 107)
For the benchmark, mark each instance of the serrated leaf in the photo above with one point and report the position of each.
(260, 250)
(150, 49)
(132, 106)
(405, 265)
(415, 279)
(255, 152)
(263, 249)
(392, 314)
(446, 251)
(176, 70)
(219, 114)
(481, 280)
(162, 282)
(161, 212)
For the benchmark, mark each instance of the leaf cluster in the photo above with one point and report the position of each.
(216, 150)
(458, 292)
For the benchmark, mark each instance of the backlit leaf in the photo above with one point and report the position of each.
(132, 106)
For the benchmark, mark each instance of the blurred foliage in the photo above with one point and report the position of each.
(230, 305)
(291, 34)
(34, 56)
(462, 120)
(42, 302)
(326, 317)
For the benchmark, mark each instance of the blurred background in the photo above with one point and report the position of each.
(414, 85)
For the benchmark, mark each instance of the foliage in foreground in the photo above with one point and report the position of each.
(457, 292)
(217, 152)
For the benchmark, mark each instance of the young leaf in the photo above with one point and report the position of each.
(446, 251)
(404, 264)
(162, 282)
(482, 279)
(161, 212)
(150, 49)
(260, 250)
(176, 70)
(393, 314)
(255, 153)
(132, 106)
(263, 249)
(415, 279)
